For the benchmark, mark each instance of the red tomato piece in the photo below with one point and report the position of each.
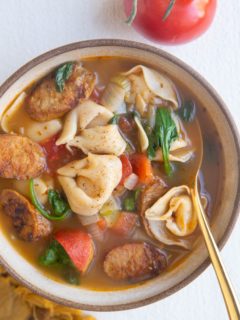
(57, 156)
(187, 20)
(79, 247)
(126, 168)
(125, 224)
(142, 167)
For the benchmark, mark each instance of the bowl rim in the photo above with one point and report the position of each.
(224, 109)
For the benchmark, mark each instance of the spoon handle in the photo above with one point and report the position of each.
(229, 295)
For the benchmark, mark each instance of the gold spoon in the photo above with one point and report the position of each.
(228, 293)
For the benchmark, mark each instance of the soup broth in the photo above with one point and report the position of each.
(127, 194)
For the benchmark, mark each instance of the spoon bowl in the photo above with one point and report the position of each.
(230, 298)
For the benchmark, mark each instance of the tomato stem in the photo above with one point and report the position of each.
(169, 9)
(133, 13)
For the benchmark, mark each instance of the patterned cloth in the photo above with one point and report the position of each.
(19, 303)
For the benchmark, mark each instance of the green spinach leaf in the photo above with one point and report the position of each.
(55, 254)
(58, 204)
(62, 74)
(163, 135)
(166, 133)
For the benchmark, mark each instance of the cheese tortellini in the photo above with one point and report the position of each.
(89, 183)
(140, 86)
(173, 216)
(36, 131)
(86, 127)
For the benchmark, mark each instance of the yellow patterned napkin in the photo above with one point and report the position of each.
(19, 303)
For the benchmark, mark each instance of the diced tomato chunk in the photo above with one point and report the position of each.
(78, 245)
(126, 168)
(57, 156)
(102, 224)
(142, 167)
(125, 223)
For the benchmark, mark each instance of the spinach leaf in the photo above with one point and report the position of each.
(188, 111)
(56, 215)
(153, 142)
(114, 119)
(55, 254)
(62, 74)
(72, 276)
(58, 204)
(165, 132)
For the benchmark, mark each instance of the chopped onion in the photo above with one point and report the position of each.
(87, 220)
(131, 181)
(95, 232)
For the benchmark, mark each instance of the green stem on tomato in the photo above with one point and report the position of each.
(133, 13)
(169, 9)
(40, 208)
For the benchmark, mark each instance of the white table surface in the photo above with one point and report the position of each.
(31, 27)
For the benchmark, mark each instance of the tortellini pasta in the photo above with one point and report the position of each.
(87, 128)
(100, 140)
(172, 217)
(140, 86)
(143, 138)
(36, 131)
(89, 183)
(180, 151)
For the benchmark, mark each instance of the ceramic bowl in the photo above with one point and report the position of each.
(222, 224)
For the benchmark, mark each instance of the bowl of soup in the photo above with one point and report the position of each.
(99, 144)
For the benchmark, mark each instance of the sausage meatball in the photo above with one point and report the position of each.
(29, 224)
(20, 157)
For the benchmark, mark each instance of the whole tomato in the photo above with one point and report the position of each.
(171, 22)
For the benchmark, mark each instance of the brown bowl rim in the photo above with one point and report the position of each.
(135, 45)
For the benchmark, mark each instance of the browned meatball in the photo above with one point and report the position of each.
(20, 157)
(133, 261)
(29, 224)
(46, 103)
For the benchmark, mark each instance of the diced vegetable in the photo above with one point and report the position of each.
(79, 247)
(131, 181)
(125, 224)
(58, 156)
(126, 168)
(62, 74)
(110, 206)
(97, 230)
(111, 218)
(142, 167)
(188, 111)
(129, 203)
(61, 209)
(102, 224)
(56, 255)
